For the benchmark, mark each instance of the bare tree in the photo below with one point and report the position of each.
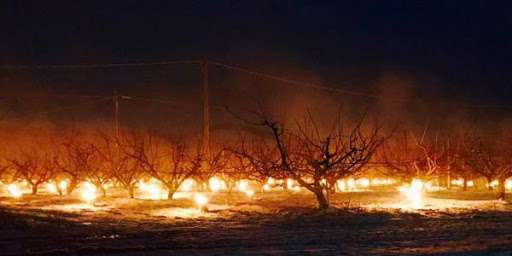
(238, 168)
(82, 162)
(398, 155)
(69, 163)
(171, 164)
(34, 167)
(125, 169)
(492, 162)
(309, 156)
(211, 166)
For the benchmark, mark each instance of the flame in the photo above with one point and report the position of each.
(242, 185)
(51, 188)
(151, 189)
(249, 193)
(215, 184)
(289, 183)
(351, 184)
(414, 193)
(364, 182)
(494, 183)
(89, 192)
(63, 185)
(201, 200)
(266, 187)
(458, 182)
(14, 191)
(508, 185)
(341, 185)
(187, 184)
(154, 191)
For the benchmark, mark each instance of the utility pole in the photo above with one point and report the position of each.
(206, 109)
(116, 106)
(116, 103)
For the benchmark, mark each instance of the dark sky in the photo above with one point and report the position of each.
(460, 49)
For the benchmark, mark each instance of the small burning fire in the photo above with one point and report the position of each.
(201, 202)
(249, 193)
(51, 188)
(63, 185)
(187, 185)
(414, 192)
(89, 192)
(215, 184)
(151, 189)
(242, 186)
(14, 191)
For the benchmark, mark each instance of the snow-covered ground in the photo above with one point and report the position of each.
(272, 223)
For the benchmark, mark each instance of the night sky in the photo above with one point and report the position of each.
(454, 50)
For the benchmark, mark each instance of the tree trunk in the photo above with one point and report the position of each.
(320, 197)
(72, 185)
(449, 180)
(465, 186)
(501, 189)
(489, 180)
(170, 194)
(34, 189)
(103, 191)
(130, 191)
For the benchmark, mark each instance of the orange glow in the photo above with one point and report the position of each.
(201, 200)
(88, 193)
(14, 191)
(414, 193)
(242, 185)
(215, 184)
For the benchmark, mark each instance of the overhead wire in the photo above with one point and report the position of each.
(100, 65)
(344, 91)
(287, 81)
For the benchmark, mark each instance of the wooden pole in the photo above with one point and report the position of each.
(206, 109)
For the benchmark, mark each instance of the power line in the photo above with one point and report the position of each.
(172, 102)
(255, 73)
(343, 91)
(80, 105)
(290, 81)
(99, 65)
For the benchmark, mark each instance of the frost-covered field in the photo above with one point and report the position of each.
(276, 223)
